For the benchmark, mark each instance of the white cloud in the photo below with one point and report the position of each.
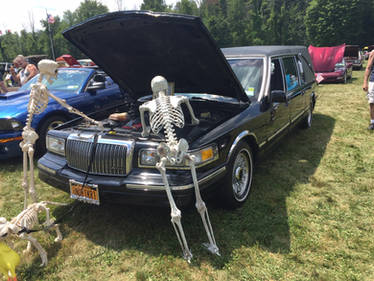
(15, 14)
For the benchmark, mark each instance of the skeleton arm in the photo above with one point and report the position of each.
(185, 100)
(146, 129)
(73, 110)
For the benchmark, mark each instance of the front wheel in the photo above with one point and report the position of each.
(238, 180)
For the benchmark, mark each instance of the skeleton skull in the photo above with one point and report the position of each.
(48, 68)
(159, 84)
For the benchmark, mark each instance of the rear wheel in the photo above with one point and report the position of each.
(48, 124)
(238, 180)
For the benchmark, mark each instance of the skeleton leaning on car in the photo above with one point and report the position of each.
(165, 112)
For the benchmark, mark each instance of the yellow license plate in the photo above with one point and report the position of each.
(88, 193)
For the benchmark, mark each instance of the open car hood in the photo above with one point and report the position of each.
(135, 46)
(325, 58)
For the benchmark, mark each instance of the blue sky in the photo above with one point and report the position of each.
(15, 14)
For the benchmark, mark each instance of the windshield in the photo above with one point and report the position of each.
(249, 72)
(340, 64)
(68, 80)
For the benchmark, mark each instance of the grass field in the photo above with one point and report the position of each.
(310, 215)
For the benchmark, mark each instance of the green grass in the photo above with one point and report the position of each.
(310, 215)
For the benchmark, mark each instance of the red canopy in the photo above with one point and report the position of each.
(69, 59)
(325, 58)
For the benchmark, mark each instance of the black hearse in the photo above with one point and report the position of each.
(245, 98)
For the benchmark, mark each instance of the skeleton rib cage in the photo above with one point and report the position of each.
(165, 117)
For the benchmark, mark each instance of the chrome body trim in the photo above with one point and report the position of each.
(45, 168)
(279, 131)
(298, 116)
(146, 187)
(237, 139)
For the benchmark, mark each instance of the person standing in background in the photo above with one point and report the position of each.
(368, 87)
(27, 72)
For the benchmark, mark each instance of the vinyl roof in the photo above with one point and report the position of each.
(264, 50)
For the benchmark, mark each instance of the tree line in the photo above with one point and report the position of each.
(231, 23)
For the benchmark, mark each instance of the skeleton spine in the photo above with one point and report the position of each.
(166, 108)
(32, 106)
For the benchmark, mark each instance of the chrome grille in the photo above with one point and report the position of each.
(110, 159)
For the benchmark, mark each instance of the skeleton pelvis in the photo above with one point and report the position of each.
(175, 153)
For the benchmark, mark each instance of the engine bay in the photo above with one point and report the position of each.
(209, 113)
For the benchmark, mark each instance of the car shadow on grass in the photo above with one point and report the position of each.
(263, 221)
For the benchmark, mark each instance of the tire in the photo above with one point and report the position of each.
(238, 179)
(47, 124)
(306, 123)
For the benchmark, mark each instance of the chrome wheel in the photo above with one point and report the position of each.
(242, 175)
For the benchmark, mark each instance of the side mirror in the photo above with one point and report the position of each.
(96, 86)
(278, 96)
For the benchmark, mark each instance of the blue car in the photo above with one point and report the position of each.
(89, 90)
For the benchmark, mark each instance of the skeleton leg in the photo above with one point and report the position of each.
(58, 233)
(31, 176)
(24, 181)
(48, 223)
(175, 212)
(42, 252)
(203, 211)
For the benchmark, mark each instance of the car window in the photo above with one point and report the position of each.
(249, 72)
(309, 73)
(291, 74)
(68, 80)
(276, 79)
(301, 70)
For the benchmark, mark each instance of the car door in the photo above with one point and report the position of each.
(279, 112)
(295, 93)
(307, 81)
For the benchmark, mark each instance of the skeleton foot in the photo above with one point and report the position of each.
(42, 252)
(58, 233)
(203, 211)
(28, 248)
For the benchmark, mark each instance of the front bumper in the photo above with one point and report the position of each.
(9, 145)
(331, 76)
(139, 187)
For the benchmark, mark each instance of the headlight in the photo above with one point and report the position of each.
(9, 124)
(56, 145)
(149, 157)
(205, 155)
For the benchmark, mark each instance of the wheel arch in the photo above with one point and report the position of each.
(50, 114)
(248, 137)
